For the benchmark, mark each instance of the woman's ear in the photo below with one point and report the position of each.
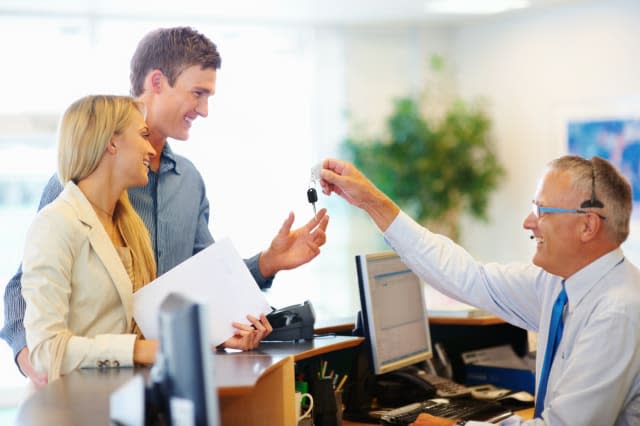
(112, 148)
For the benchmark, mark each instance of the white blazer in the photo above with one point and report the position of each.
(74, 281)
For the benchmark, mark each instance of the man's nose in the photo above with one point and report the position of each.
(530, 221)
(203, 108)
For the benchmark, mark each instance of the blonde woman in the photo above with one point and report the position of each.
(88, 251)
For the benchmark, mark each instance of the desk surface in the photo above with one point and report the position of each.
(82, 397)
(237, 372)
(346, 324)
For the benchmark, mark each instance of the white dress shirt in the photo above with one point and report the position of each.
(595, 376)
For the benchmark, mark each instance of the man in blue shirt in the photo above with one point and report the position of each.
(173, 72)
(580, 294)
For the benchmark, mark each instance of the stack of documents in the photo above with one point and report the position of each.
(500, 366)
(498, 356)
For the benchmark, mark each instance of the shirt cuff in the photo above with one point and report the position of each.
(403, 232)
(254, 268)
(17, 345)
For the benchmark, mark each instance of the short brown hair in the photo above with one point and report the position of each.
(171, 50)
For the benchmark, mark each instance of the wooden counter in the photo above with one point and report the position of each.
(255, 387)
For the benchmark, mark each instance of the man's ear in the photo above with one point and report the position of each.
(590, 226)
(155, 80)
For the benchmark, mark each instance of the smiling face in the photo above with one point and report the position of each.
(557, 236)
(133, 152)
(171, 110)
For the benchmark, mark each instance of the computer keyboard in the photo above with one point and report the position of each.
(445, 388)
(468, 409)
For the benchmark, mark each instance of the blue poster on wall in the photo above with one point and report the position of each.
(617, 140)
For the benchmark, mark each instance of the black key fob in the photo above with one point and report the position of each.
(312, 195)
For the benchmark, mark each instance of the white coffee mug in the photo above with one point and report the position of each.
(300, 413)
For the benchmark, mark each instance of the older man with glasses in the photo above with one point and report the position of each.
(581, 294)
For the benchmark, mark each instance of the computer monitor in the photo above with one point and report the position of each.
(185, 360)
(394, 313)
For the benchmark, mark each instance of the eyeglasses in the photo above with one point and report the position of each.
(539, 210)
(593, 202)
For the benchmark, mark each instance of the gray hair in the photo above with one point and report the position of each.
(600, 181)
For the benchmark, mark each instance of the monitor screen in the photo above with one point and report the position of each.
(394, 313)
(187, 360)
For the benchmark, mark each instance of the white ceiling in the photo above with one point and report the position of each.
(285, 11)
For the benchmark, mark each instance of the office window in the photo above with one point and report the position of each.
(274, 115)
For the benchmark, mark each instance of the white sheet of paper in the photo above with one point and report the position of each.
(218, 277)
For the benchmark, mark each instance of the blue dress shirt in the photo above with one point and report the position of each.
(595, 375)
(175, 209)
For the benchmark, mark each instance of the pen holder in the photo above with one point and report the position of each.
(324, 396)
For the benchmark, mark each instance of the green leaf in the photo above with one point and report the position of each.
(432, 170)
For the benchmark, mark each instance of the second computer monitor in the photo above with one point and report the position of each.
(187, 362)
(394, 313)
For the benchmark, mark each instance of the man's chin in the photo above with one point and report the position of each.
(537, 261)
(546, 266)
(183, 136)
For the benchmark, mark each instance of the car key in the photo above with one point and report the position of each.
(312, 196)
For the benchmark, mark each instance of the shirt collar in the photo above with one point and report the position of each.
(579, 284)
(168, 160)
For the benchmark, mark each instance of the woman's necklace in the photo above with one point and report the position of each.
(109, 217)
(106, 213)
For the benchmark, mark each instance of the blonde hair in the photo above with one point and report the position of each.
(84, 132)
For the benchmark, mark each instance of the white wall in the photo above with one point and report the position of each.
(533, 67)
(536, 70)
(382, 64)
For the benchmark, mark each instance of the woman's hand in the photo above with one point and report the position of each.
(248, 337)
(39, 379)
(145, 351)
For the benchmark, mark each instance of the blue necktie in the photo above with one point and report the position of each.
(555, 334)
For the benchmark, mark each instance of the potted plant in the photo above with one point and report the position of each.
(434, 169)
